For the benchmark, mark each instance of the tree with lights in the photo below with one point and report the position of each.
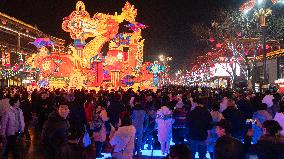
(236, 37)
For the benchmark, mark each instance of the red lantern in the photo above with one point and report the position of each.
(211, 40)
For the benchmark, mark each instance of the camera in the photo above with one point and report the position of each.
(250, 121)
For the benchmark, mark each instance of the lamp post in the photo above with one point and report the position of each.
(262, 12)
(165, 59)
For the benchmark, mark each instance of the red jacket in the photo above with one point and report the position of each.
(89, 108)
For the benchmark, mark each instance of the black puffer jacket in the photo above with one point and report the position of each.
(54, 137)
(268, 147)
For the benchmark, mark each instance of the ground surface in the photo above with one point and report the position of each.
(32, 150)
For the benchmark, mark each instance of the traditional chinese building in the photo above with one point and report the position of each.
(15, 45)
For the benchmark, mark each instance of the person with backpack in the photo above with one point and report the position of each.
(97, 126)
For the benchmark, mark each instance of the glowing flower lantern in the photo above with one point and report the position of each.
(42, 42)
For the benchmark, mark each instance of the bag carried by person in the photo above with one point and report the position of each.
(86, 139)
(97, 122)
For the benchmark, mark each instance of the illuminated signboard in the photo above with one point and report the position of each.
(223, 70)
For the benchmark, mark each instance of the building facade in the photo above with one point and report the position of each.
(16, 39)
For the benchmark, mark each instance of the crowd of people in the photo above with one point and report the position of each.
(225, 123)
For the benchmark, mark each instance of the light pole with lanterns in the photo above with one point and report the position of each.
(164, 60)
(262, 12)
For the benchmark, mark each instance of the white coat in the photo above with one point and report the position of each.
(164, 125)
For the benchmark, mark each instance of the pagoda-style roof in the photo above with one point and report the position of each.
(15, 26)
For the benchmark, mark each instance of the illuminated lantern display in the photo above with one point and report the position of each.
(84, 65)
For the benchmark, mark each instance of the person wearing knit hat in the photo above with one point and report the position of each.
(179, 104)
(179, 126)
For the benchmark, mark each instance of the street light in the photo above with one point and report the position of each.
(164, 59)
(262, 12)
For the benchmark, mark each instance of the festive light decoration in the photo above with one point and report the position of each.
(246, 7)
(84, 65)
(136, 26)
(40, 42)
(122, 39)
(128, 80)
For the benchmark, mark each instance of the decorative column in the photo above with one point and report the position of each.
(115, 77)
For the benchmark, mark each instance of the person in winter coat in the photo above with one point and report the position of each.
(271, 143)
(138, 117)
(44, 108)
(274, 108)
(245, 106)
(180, 151)
(12, 124)
(114, 109)
(4, 103)
(76, 118)
(268, 100)
(223, 104)
(216, 116)
(227, 147)
(164, 120)
(260, 116)
(27, 112)
(236, 118)
(199, 123)
(100, 135)
(149, 129)
(89, 109)
(279, 117)
(123, 138)
(179, 126)
(54, 136)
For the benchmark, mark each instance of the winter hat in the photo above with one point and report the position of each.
(179, 104)
(164, 113)
(164, 110)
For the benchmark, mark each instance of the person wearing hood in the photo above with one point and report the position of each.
(138, 117)
(179, 126)
(54, 137)
(12, 124)
(164, 120)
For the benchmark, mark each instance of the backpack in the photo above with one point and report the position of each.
(97, 122)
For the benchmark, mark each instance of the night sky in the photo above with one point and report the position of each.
(169, 21)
